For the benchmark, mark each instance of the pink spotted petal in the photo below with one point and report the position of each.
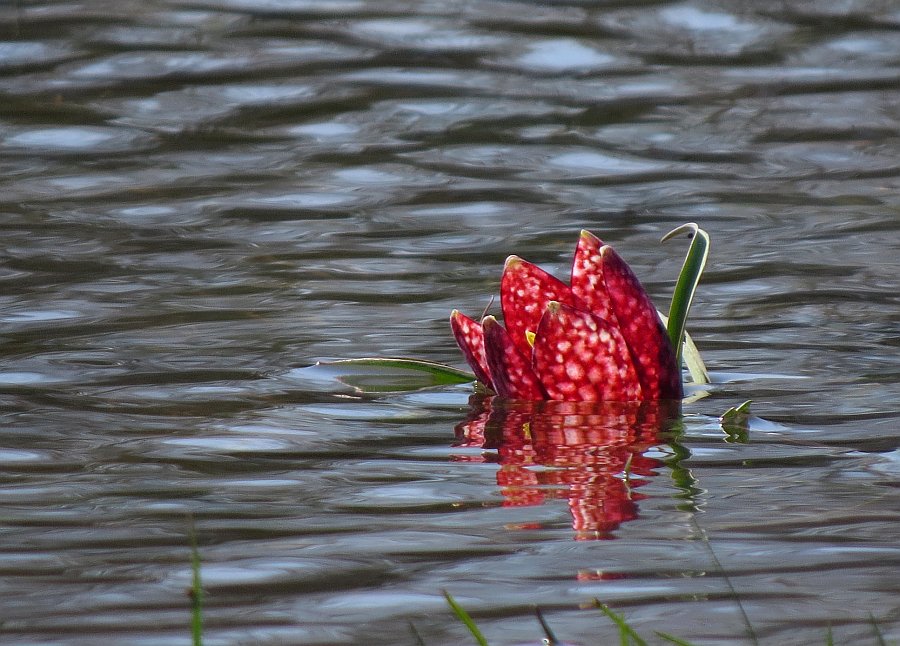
(470, 339)
(525, 290)
(513, 375)
(580, 357)
(587, 276)
(639, 323)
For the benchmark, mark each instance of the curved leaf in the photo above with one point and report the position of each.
(694, 264)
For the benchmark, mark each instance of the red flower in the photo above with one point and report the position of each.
(599, 338)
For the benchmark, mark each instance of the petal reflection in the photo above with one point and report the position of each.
(589, 453)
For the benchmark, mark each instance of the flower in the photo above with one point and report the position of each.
(597, 339)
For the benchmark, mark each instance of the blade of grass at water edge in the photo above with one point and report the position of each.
(878, 636)
(626, 632)
(196, 592)
(416, 635)
(715, 559)
(464, 617)
(686, 286)
(550, 639)
(672, 639)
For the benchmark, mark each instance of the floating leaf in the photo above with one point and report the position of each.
(394, 374)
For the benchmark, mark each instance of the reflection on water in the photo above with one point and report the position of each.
(199, 199)
(591, 455)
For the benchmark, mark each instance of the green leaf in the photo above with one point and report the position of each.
(736, 423)
(464, 617)
(686, 286)
(392, 374)
(691, 356)
(694, 361)
(734, 412)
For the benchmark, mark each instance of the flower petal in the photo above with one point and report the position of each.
(470, 339)
(510, 368)
(587, 276)
(525, 290)
(580, 357)
(651, 350)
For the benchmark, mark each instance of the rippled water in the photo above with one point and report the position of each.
(199, 200)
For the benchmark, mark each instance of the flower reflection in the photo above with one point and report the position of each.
(588, 453)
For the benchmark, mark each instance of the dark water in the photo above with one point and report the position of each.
(199, 200)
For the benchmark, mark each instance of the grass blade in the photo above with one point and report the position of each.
(626, 632)
(673, 640)
(416, 635)
(549, 639)
(686, 286)
(464, 617)
(196, 592)
(879, 638)
(715, 559)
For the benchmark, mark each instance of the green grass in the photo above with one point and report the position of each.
(196, 592)
(628, 636)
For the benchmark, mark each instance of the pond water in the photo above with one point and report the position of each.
(199, 200)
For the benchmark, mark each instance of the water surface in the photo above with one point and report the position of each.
(199, 200)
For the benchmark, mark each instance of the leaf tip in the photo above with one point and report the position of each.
(691, 227)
